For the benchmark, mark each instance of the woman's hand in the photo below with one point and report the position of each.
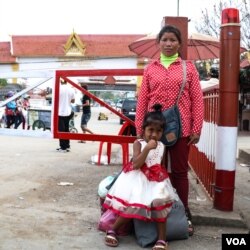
(193, 139)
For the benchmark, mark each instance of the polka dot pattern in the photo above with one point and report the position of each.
(162, 85)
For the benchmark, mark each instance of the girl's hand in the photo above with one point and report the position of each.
(152, 144)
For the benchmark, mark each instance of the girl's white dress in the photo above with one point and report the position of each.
(144, 193)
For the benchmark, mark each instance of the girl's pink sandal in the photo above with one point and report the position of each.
(111, 239)
(160, 245)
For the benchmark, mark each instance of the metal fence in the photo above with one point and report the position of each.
(202, 155)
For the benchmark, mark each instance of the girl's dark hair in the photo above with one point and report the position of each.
(154, 117)
(169, 29)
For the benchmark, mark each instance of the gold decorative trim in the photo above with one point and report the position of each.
(74, 46)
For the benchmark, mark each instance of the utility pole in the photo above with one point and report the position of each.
(178, 7)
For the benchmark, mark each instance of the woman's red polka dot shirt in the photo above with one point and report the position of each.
(161, 85)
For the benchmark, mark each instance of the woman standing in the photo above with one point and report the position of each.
(26, 106)
(161, 83)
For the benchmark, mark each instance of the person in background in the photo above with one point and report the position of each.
(143, 189)
(86, 113)
(241, 108)
(66, 98)
(26, 106)
(161, 83)
(19, 113)
(10, 110)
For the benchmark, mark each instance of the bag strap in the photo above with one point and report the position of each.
(184, 70)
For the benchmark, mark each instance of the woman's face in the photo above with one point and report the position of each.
(169, 44)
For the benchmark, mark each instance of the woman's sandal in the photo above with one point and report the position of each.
(190, 224)
(111, 239)
(160, 245)
(190, 228)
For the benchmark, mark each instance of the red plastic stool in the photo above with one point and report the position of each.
(125, 147)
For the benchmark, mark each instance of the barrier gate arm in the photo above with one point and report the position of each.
(64, 74)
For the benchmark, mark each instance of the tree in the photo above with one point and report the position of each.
(245, 77)
(210, 21)
(3, 82)
(107, 95)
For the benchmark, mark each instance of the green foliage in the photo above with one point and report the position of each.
(107, 95)
(3, 82)
(245, 77)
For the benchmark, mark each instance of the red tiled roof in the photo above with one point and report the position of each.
(5, 55)
(53, 45)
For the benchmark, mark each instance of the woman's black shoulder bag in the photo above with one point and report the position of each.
(173, 128)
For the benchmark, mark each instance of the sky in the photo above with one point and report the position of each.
(48, 17)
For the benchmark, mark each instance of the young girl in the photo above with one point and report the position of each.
(143, 189)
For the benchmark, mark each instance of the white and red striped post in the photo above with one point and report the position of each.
(226, 144)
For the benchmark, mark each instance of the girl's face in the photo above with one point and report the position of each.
(169, 44)
(153, 131)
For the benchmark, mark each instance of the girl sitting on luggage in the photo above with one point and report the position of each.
(143, 189)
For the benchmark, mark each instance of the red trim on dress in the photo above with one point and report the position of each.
(136, 216)
(127, 204)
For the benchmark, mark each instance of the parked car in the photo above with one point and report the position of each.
(118, 105)
(128, 109)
